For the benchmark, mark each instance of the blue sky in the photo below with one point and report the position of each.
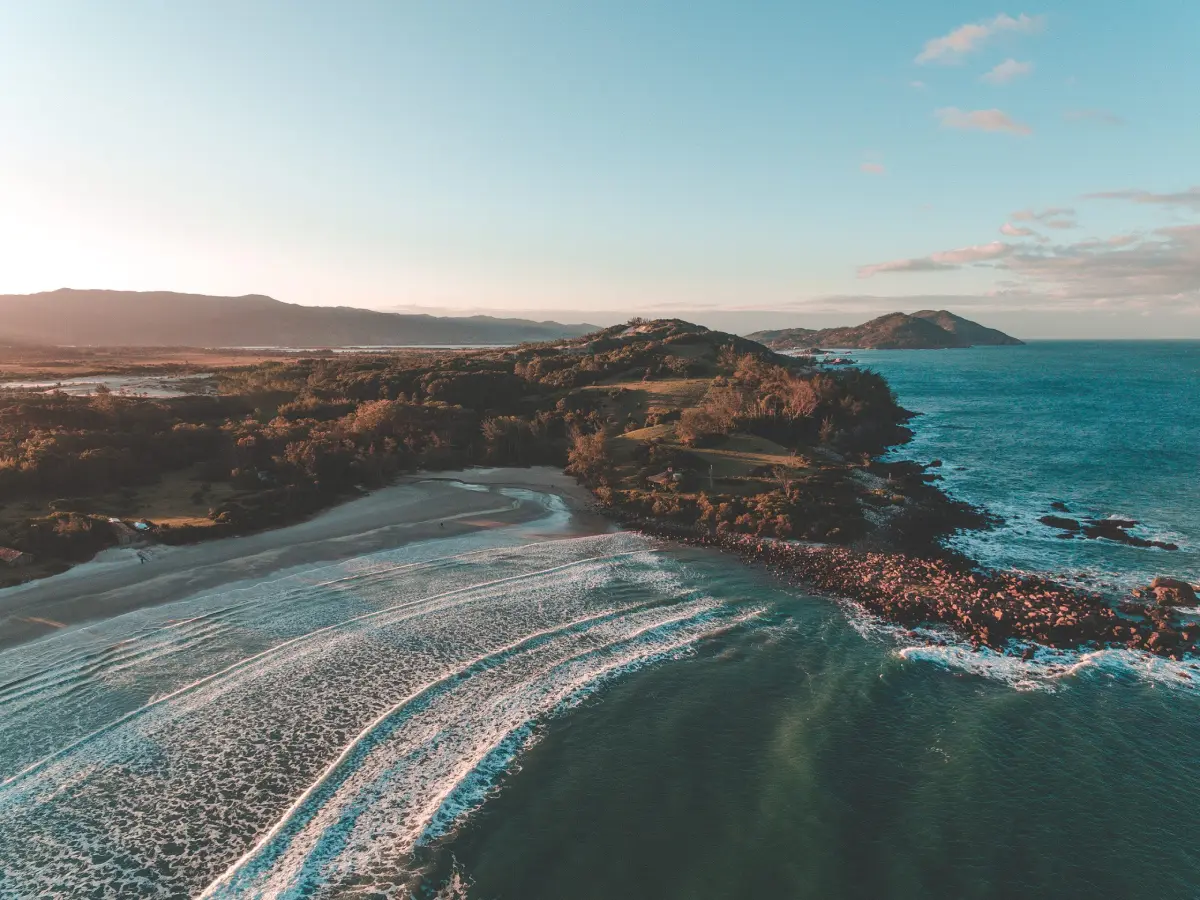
(770, 163)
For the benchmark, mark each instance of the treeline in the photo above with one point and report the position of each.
(62, 446)
(852, 410)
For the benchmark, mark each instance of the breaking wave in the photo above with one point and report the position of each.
(1049, 669)
(301, 737)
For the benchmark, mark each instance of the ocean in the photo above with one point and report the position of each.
(819, 754)
(1111, 429)
(518, 714)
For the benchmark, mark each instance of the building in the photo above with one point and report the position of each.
(14, 559)
(666, 478)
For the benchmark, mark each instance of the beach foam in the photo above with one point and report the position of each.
(303, 735)
(1049, 669)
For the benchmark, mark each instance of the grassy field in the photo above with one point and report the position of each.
(737, 463)
(178, 498)
(175, 500)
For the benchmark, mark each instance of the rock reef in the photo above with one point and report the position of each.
(1006, 611)
(1116, 530)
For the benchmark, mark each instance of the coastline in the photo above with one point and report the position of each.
(1007, 611)
(117, 582)
(984, 607)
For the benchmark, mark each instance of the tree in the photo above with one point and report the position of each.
(588, 459)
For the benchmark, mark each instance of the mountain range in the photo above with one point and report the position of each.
(927, 329)
(167, 319)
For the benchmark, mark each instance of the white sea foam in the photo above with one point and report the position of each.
(1048, 670)
(301, 736)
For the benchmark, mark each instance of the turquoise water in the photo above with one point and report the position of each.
(820, 754)
(1111, 428)
(802, 759)
(511, 714)
(301, 736)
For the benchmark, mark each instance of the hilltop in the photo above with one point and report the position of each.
(167, 319)
(926, 329)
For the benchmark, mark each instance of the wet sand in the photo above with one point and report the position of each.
(424, 506)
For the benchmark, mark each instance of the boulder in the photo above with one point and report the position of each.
(1161, 640)
(1173, 592)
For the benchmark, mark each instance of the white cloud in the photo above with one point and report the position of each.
(943, 260)
(920, 264)
(1189, 197)
(1098, 116)
(980, 120)
(872, 168)
(952, 47)
(918, 85)
(1060, 223)
(1007, 71)
(1016, 230)
(1050, 212)
(977, 253)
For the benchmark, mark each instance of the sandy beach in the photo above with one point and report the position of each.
(424, 506)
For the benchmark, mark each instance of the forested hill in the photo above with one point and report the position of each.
(660, 418)
(924, 330)
(166, 319)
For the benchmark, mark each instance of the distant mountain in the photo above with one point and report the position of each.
(166, 319)
(924, 330)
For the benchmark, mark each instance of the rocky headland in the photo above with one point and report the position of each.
(925, 329)
(1007, 611)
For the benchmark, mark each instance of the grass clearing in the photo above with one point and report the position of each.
(673, 393)
(172, 500)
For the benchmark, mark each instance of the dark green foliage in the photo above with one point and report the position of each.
(851, 409)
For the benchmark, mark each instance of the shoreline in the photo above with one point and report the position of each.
(116, 582)
(1007, 611)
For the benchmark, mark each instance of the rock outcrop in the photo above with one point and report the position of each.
(1110, 529)
(1172, 592)
(1007, 611)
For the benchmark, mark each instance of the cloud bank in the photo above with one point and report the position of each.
(1156, 270)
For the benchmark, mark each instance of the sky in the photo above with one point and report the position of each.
(742, 165)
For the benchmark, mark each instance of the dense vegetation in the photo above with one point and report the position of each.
(286, 438)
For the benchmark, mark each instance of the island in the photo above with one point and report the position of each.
(924, 330)
(677, 430)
